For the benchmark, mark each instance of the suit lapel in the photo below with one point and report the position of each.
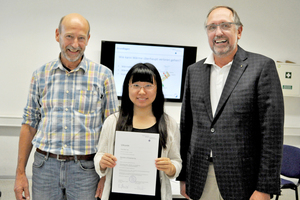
(237, 69)
(206, 88)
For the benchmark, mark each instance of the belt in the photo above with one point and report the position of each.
(67, 158)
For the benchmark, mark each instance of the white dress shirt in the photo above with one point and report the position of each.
(218, 78)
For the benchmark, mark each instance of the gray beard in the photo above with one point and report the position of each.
(69, 59)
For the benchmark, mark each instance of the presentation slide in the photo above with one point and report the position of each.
(167, 60)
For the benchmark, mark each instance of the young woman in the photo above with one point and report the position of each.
(142, 110)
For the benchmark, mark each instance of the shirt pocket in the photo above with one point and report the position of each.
(87, 101)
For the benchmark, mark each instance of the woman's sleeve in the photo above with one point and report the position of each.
(174, 151)
(105, 143)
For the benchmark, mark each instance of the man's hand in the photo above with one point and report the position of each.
(182, 189)
(21, 185)
(260, 196)
(100, 187)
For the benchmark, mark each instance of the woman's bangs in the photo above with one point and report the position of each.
(142, 75)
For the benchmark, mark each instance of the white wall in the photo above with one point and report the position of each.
(27, 42)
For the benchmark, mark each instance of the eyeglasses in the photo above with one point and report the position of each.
(147, 87)
(225, 26)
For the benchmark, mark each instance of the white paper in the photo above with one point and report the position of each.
(135, 172)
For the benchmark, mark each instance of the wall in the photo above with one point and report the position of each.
(27, 41)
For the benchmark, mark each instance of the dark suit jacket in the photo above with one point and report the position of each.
(246, 134)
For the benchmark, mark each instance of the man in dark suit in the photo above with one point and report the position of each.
(231, 119)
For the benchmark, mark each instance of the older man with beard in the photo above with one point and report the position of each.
(231, 120)
(69, 98)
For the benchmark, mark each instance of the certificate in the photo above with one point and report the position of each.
(135, 171)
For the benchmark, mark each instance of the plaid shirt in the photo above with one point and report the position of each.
(68, 108)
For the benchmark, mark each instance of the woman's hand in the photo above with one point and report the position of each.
(107, 161)
(165, 164)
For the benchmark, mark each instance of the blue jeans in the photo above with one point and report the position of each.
(60, 180)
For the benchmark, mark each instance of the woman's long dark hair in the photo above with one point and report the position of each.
(144, 72)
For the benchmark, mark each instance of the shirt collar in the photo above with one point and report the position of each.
(211, 61)
(82, 65)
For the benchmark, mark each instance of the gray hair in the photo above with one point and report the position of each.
(236, 18)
